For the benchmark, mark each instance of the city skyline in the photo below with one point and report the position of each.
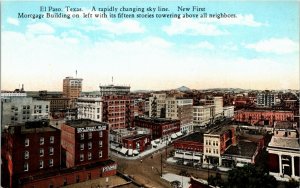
(257, 50)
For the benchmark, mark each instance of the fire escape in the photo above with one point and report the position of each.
(154, 108)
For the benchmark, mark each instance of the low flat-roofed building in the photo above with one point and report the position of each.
(137, 143)
(189, 147)
(244, 152)
(284, 151)
(160, 127)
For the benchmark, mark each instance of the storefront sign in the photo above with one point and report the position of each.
(110, 168)
(91, 129)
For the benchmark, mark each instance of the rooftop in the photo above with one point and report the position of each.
(194, 137)
(284, 125)
(84, 123)
(133, 137)
(157, 120)
(244, 148)
(285, 142)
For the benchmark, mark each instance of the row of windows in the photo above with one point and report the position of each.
(214, 143)
(215, 151)
(89, 156)
(41, 162)
(90, 135)
(90, 145)
(42, 141)
(51, 152)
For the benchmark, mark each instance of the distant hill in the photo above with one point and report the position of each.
(183, 88)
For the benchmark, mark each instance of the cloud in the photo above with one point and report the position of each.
(190, 26)
(40, 28)
(275, 45)
(13, 21)
(204, 45)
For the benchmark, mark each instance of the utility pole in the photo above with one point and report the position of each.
(161, 165)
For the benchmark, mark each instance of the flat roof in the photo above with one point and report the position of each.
(157, 120)
(194, 137)
(133, 137)
(284, 142)
(283, 125)
(84, 123)
(243, 148)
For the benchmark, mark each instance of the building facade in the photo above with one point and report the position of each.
(157, 105)
(90, 108)
(22, 109)
(263, 117)
(284, 152)
(266, 99)
(181, 109)
(107, 90)
(72, 88)
(160, 128)
(228, 111)
(30, 149)
(202, 115)
(84, 141)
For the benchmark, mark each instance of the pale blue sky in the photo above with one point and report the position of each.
(258, 50)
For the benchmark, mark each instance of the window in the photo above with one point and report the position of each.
(26, 155)
(100, 154)
(41, 164)
(90, 135)
(77, 179)
(26, 142)
(81, 157)
(26, 167)
(50, 162)
(81, 146)
(42, 141)
(89, 155)
(41, 152)
(51, 151)
(90, 145)
(51, 139)
(100, 143)
(100, 134)
(216, 143)
(82, 136)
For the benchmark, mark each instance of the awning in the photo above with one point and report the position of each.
(112, 147)
(157, 141)
(130, 152)
(188, 157)
(135, 152)
(173, 136)
(179, 133)
(124, 150)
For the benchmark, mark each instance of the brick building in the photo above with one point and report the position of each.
(84, 141)
(72, 88)
(189, 147)
(263, 117)
(118, 111)
(137, 142)
(30, 149)
(160, 127)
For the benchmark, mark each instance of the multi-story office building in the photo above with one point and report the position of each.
(90, 107)
(29, 149)
(228, 111)
(218, 104)
(85, 142)
(181, 109)
(21, 109)
(116, 110)
(72, 88)
(157, 105)
(114, 90)
(266, 99)
(202, 115)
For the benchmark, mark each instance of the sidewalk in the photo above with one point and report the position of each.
(141, 155)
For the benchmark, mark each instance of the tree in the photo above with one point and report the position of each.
(250, 176)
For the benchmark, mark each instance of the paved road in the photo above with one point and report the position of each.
(147, 170)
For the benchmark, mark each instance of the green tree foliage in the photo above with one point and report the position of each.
(250, 176)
